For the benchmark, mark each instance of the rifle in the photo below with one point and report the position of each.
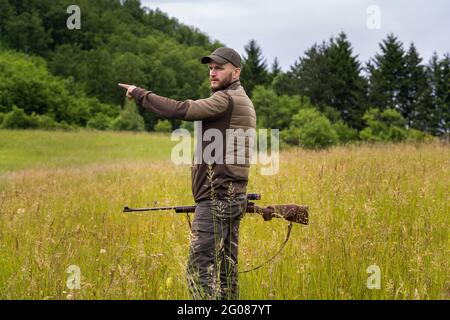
(289, 212)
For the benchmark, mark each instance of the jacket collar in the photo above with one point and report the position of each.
(234, 85)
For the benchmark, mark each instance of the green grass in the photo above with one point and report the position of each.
(43, 149)
(384, 205)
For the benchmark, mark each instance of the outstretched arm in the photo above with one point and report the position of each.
(192, 110)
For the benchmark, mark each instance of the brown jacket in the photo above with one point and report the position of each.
(224, 109)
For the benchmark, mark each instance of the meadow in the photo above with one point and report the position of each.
(372, 207)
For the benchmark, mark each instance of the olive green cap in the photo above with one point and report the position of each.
(223, 55)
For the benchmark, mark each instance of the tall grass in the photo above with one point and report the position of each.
(370, 205)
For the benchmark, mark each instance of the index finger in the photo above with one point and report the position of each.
(125, 86)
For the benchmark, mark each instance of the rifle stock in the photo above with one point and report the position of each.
(289, 212)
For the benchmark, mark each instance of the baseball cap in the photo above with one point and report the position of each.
(223, 55)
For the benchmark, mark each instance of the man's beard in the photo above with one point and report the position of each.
(223, 84)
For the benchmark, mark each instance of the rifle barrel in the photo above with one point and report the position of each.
(178, 209)
(127, 209)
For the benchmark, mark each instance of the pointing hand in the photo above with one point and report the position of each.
(129, 88)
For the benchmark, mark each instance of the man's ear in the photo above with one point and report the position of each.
(237, 72)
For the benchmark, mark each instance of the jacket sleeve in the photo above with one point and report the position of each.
(191, 110)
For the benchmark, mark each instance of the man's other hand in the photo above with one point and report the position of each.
(129, 88)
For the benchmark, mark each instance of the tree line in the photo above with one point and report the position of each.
(393, 96)
(53, 77)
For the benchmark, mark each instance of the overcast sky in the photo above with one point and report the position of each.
(285, 29)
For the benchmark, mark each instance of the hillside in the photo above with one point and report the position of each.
(119, 41)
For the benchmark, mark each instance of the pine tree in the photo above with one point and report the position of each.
(254, 69)
(308, 75)
(331, 76)
(415, 88)
(444, 108)
(438, 106)
(275, 69)
(276, 76)
(347, 86)
(387, 74)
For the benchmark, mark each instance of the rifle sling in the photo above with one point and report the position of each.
(189, 220)
(276, 254)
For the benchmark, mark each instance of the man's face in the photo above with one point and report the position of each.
(221, 75)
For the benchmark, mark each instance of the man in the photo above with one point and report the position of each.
(218, 187)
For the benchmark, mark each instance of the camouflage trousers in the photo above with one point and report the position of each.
(212, 269)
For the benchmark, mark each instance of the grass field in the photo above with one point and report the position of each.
(45, 149)
(61, 196)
